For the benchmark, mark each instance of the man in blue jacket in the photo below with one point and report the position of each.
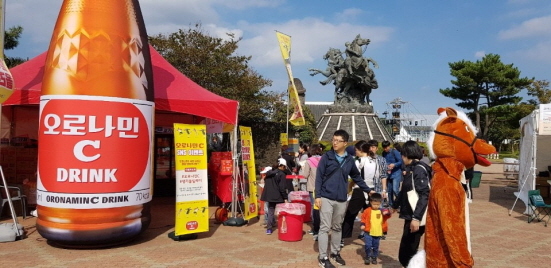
(394, 161)
(331, 190)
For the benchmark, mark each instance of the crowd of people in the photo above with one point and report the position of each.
(348, 183)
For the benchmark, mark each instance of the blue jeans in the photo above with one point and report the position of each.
(266, 213)
(393, 186)
(372, 246)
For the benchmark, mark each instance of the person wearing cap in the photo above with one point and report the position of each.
(262, 184)
(331, 195)
(275, 191)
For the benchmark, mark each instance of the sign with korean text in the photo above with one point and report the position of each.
(192, 208)
(82, 141)
(6, 82)
(544, 124)
(249, 173)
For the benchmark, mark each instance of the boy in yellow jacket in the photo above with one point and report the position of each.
(374, 223)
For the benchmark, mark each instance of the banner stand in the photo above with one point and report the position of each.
(172, 235)
(16, 227)
(234, 220)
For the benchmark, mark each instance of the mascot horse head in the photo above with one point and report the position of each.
(454, 136)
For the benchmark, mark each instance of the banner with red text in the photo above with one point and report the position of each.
(192, 205)
(249, 173)
(6, 82)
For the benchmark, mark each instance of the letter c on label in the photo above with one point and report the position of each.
(78, 150)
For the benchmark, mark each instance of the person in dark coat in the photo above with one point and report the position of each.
(418, 175)
(275, 191)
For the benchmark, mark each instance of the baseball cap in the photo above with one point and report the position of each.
(266, 169)
(282, 161)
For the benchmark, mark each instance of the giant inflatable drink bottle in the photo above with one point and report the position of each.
(96, 126)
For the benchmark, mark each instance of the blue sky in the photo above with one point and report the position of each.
(413, 41)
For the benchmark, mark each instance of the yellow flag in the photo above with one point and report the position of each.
(297, 119)
(285, 46)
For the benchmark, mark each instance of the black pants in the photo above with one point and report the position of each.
(356, 203)
(409, 243)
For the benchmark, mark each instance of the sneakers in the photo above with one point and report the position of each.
(360, 236)
(269, 232)
(311, 232)
(338, 259)
(325, 263)
(373, 260)
(342, 243)
(367, 261)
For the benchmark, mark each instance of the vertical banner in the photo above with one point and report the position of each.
(249, 173)
(297, 119)
(6, 82)
(283, 139)
(192, 208)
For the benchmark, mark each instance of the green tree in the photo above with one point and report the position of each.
(11, 41)
(212, 63)
(540, 90)
(485, 83)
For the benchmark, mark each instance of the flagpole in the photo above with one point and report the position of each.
(288, 101)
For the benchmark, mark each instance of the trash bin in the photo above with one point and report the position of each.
(289, 221)
(302, 197)
(475, 181)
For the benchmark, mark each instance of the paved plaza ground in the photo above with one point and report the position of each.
(499, 240)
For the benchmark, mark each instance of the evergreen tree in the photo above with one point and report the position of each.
(488, 84)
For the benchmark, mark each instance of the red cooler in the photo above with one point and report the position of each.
(289, 221)
(302, 197)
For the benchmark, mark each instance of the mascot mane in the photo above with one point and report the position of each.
(443, 114)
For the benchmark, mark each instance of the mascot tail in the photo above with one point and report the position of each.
(418, 260)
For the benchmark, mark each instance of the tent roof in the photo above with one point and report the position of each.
(173, 90)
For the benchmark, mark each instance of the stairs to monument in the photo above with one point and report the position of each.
(360, 126)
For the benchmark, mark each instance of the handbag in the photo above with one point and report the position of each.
(413, 197)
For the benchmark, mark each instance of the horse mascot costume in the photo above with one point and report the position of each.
(455, 147)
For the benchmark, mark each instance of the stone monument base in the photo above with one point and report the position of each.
(358, 120)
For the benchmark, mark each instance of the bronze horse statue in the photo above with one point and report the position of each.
(353, 78)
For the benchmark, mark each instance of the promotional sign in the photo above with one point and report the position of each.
(6, 82)
(192, 204)
(93, 174)
(249, 173)
(297, 119)
(544, 124)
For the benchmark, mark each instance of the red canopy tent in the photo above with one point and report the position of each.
(173, 90)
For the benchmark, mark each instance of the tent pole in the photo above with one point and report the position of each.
(235, 172)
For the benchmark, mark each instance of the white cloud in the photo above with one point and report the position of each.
(538, 53)
(348, 14)
(311, 37)
(535, 27)
(244, 4)
(480, 54)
